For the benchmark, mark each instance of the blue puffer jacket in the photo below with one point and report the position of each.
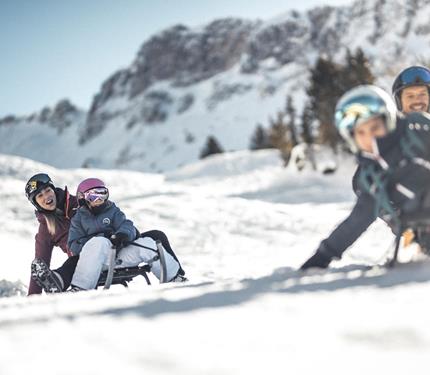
(108, 219)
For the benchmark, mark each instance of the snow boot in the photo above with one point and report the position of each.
(74, 289)
(179, 279)
(49, 281)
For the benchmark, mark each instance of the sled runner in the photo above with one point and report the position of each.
(124, 275)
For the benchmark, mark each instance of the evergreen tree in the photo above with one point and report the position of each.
(328, 82)
(211, 147)
(306, 120)
(260, 139)
(291, 113)
(280, 136)
(356, 70)
(324, 91)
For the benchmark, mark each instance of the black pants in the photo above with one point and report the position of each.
(161, 236)
(67, 270)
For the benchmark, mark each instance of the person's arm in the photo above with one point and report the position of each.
(355, 184)
(345, 234)
(43, 250)
(123, 225)
(77, 235)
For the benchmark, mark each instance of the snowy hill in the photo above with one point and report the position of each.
(219, 79)
(241, 225)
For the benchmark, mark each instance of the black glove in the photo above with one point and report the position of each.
(107, 233)
(119, 240)
(318, 260)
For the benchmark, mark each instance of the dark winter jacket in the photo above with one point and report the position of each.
(393, 185)
(45, 241)
(105, 220)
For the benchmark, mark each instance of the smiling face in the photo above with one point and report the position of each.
(366, 132)
(415, 99)
(46, 199)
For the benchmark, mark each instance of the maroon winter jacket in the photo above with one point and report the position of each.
(45, 242)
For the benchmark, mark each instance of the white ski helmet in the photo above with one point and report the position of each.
(361, 104)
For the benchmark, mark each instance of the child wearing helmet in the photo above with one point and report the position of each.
(393, 180)
(98, 225)
(54, 209)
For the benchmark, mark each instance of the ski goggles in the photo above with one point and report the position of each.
(415, 76)
(357, 111)
(96, 194)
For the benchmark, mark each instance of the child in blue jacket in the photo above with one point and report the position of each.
(98, 225)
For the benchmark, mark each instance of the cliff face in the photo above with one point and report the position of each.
(223, 78)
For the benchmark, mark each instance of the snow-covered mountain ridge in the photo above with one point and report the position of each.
(219, 79)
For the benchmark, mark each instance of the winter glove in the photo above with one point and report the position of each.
(107, 233)
(318, 260)
(119, 240)
(408, 237)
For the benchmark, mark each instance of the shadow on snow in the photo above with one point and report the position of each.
(287, 281)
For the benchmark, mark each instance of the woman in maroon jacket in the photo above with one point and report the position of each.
(54, 209)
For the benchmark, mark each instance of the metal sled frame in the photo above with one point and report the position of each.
(124, 275)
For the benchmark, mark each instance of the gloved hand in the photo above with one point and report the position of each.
(318, 260)
(119, 240)
(107, 233)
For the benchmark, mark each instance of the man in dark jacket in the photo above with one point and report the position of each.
(54, 209)
(394, 176)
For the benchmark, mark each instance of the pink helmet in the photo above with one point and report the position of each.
(90, 183)
(91, 190)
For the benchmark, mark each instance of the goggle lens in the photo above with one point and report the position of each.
(417, 76)
(361, 108)
(97, 194)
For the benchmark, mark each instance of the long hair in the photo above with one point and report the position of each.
(51, 223)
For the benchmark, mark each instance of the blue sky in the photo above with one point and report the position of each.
(54, 49)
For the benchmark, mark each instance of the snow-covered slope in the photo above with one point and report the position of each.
(50, 136)
(220, 79)
(241, 225)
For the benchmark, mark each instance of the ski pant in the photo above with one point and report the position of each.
(95, 255)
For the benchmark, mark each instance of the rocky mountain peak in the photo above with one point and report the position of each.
(186, 84)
